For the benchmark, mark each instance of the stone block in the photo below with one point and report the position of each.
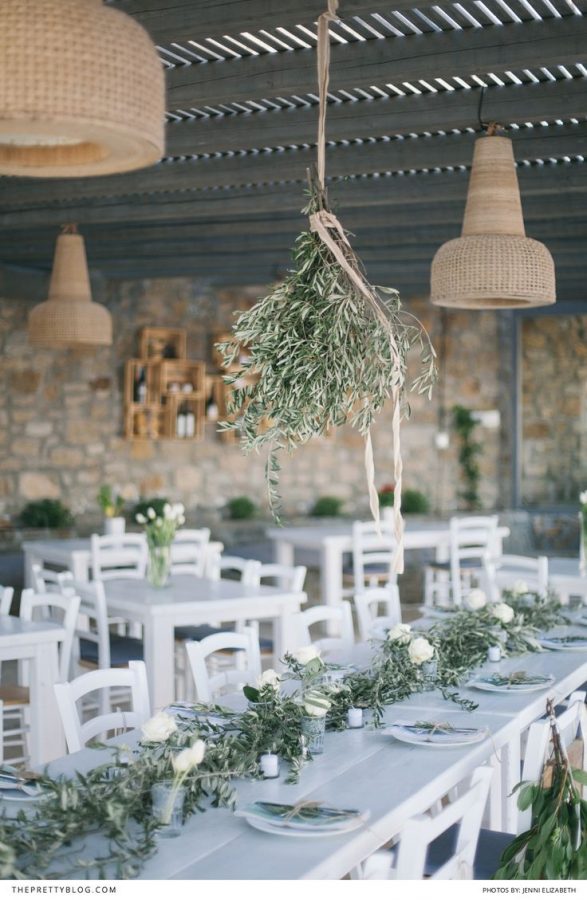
(38, 428)
(25, 382)
(69, 457)
(37, 485)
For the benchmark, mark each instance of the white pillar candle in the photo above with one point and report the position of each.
(269, 763)
(494, 654)
(354, 717)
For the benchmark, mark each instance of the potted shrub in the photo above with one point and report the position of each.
(241, 508)
(414, 502)
(111, 505)
(327, 506)
(386, 495)
(46, 513)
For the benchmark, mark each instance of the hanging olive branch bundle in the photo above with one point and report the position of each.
(326, 348)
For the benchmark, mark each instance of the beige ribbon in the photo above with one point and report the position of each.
(332, 235)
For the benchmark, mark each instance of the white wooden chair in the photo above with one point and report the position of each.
(339, 617)
(6, 596)
(47, 581)
(368, 605)
(246, 570)
(290, 578)
(51, 607)
(571, 722)
(118, 556)
(245, 646)
(505, 571)
(68, 694)
(99, 646)
(372, 554)
(472, 541)
(407, 862)
(189, 551)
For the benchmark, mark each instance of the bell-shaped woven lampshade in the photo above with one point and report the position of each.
(81, 90)
(493, 265)
(69, 318)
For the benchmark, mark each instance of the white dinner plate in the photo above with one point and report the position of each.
(438, 741)
(292, 831)
(559, 643)
(481, 685)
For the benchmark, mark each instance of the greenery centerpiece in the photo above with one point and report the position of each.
(112, 506)
(160, 531)
(324, 348)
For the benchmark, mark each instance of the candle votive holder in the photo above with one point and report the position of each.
(168, 800)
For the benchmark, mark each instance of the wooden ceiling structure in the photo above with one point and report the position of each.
(224, 204)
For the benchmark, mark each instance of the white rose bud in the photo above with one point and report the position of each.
(159, 728)
(167, 510)
(269, 677)
(400, 632)
(420, 651)
(151, 514)
(583, 497)
(304, 655)
(502, 612)
(476, 599)
(189, 758)
(141, 519)
(520, 587)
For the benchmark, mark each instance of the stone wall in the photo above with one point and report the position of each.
(554, 409)
(61, 414)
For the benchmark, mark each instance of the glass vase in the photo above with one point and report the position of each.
(168, 800)
(159, 565)
(429, 675)
(313, 728)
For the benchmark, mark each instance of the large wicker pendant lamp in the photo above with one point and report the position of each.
(81, 90)
(493, 265)
(69, 317)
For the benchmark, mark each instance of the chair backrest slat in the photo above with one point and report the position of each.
(248, 657)
(63, 609)
(118, 556)
(339, 616)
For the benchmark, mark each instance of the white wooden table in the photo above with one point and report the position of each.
(72, 554)
(334, 540)
(362, 769)
(188, 600)
(36, 642)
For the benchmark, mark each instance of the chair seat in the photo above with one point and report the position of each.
(370, 569)
(196, 632)
(122, 650)
(464, 564)
(487, 858)
(14, 695)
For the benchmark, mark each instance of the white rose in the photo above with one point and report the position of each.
(159, 727)
(189, 758)
(181, 520)
(400, 633)
(304, 655)
(151, 514)
(502, 612)
(583, 497)
(141, 519)
(520, 587)
(420, 651)
(269, 677)
(476, 599)
(178, 509)
(167, 510)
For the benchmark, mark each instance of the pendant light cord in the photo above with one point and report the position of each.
(490, 128)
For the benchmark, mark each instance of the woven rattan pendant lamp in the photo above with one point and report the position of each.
(493, 265)
(81, 90)
(69, 317)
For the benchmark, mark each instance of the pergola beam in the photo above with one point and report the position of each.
(438, 152)
(391, 60)
(566, 184)
(386, 115)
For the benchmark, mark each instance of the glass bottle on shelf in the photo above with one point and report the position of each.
(140, 385)
(190, 423)
(181, 421)
(211, 409)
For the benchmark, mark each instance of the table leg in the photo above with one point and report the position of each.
(80, 566)
(330, 578)
(159, 647)
(283, 553)
(510, 776)
(29, 561)
(47, 741)
(284, 634)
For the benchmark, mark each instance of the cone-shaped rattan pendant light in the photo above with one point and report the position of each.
(69, 318)
(81, 90)
(493, 265)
